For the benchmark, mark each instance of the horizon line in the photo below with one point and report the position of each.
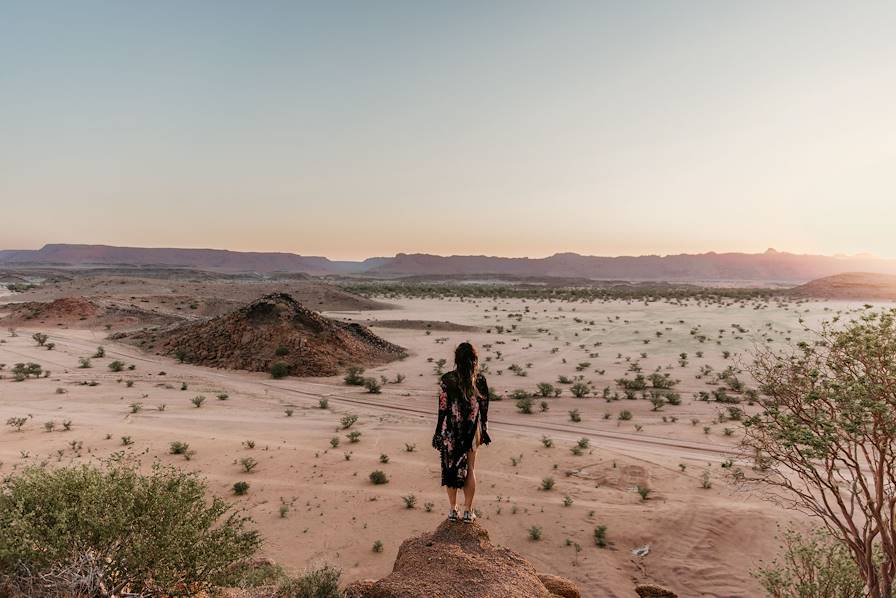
(770, 250)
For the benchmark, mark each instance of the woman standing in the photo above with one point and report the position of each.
(462, 426)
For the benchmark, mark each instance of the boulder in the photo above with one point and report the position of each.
(648, 590)
(458, 560)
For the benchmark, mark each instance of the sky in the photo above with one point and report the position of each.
(357, 129)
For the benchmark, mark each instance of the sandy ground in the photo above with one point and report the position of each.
(703, 542)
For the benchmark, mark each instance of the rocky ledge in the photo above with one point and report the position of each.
(458, 560)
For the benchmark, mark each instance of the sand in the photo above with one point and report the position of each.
(703, 542)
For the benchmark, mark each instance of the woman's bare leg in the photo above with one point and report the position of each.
(452, 497)
(470, 482)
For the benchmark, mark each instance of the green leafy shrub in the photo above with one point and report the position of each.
(279, 370)
(178, 448)
(354, 376)
(117, 528)
(317, 583)
(600, 536)
(372, 385)
(813, 564)
(580, 390)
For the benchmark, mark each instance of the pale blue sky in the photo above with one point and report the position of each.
(352, 129)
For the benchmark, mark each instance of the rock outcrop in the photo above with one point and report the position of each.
(63, 310)
(273, 329)
(458, 560)
(648, 590)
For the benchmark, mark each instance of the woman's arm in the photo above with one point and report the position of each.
(483, 408)
(443, 410)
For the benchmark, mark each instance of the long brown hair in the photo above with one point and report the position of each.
(466, 362)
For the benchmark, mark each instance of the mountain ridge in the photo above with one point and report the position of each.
(769, 266)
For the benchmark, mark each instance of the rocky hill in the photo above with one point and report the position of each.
(859, 286)
(458, 560)
(273, 329)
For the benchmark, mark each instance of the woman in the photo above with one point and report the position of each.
(462, 427)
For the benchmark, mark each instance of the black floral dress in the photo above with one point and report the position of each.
(461, 421)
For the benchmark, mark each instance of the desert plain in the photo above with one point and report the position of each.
(655, 476)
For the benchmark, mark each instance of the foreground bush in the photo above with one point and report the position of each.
(812, 564)
(104, 531)
(317, 583)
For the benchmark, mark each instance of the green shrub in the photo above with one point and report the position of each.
(378, 477)
(17, 423)
(21, 371)
(520, 395)
(148, 533)
(252, 574)
(580, 390)
(279, 370)
(545, 389)
(116, 366)
(643, 491)
(178, 448)
(600, 536)
(372, 386)
(240, 488)
(813, 564)
(318, 583)
(354, 376)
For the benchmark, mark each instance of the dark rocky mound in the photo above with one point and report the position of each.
(66, 309)
(458, 561)
(273, 329)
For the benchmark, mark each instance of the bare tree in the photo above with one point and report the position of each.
(824, 441)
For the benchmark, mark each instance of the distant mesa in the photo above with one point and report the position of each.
(769, 266)
(275, 329)
(857, 286)
(458, 560)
